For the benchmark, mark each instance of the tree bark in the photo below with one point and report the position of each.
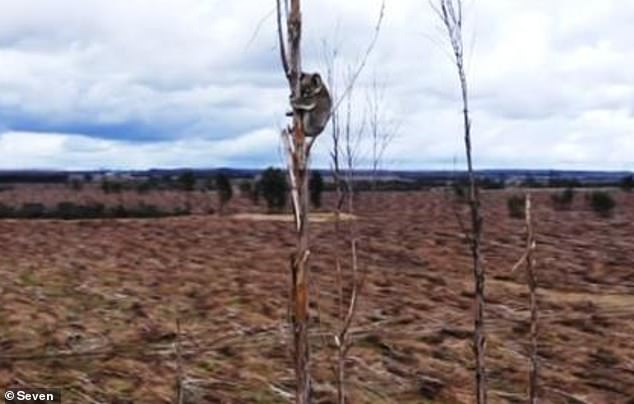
(479, 339)
(298, 171)
(532, 285)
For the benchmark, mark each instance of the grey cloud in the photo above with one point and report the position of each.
(549, 81)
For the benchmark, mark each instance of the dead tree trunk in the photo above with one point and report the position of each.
(298, 153)
(532, 285)
(528, 259)
(299, 261)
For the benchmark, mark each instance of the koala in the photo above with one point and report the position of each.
(314, 104)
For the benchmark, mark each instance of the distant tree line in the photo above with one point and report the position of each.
(33, 178)
(190, 180)
(74, 211)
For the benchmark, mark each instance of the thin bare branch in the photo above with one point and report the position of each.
(382, 130)
(364, 58)
(281, 41)
(288, 142)
(450, 12)
(518, 263)
(258, 28)
(346, 137)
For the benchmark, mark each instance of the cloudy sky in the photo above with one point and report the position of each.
(197, 83)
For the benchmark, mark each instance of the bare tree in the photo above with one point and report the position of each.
(529, 259)
(355, 73)
(450, 13)
(341, 166)
(353, 136)
(532, 285)
(382, 129)
(347, 307)
(347, 135)
(298, 150)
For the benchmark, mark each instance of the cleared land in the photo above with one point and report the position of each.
(91, 306)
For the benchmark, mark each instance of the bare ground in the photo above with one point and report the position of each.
(91, 306)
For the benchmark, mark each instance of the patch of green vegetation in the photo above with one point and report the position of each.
(602, 203)
(119, 386)
(563, 200)
(72, 211)
(515, 205)
(261, 396)
(28, 279)
(627, 183)
(208, 366)
(236, 301)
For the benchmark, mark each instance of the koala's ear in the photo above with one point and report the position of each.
(316, 80)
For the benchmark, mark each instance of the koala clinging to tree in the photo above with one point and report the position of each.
(314, 104)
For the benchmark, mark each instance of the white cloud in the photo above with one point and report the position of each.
(147, 83)
(22, 150)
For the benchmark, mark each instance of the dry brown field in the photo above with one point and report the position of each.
(51, 194)
(91, 306)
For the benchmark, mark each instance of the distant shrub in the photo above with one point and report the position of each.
(184, 211)
(67, 210)
(210, 184)
(530, 182)
(563, 200)
(145, 186)
(6, 211)
(274, 188)
(117, 211)
(251, 190)
(96, 210)
(602, 203)
(76, 185)
(245, 187)
(488, 183)
(225, 190)
(70, 211)
(32, 211)
(187, 181)
(627, 183)
(316, 188)
(460, 190)
(144, 210)
(256, 192)
(140, 211)
(111, 186)
(516, 206)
